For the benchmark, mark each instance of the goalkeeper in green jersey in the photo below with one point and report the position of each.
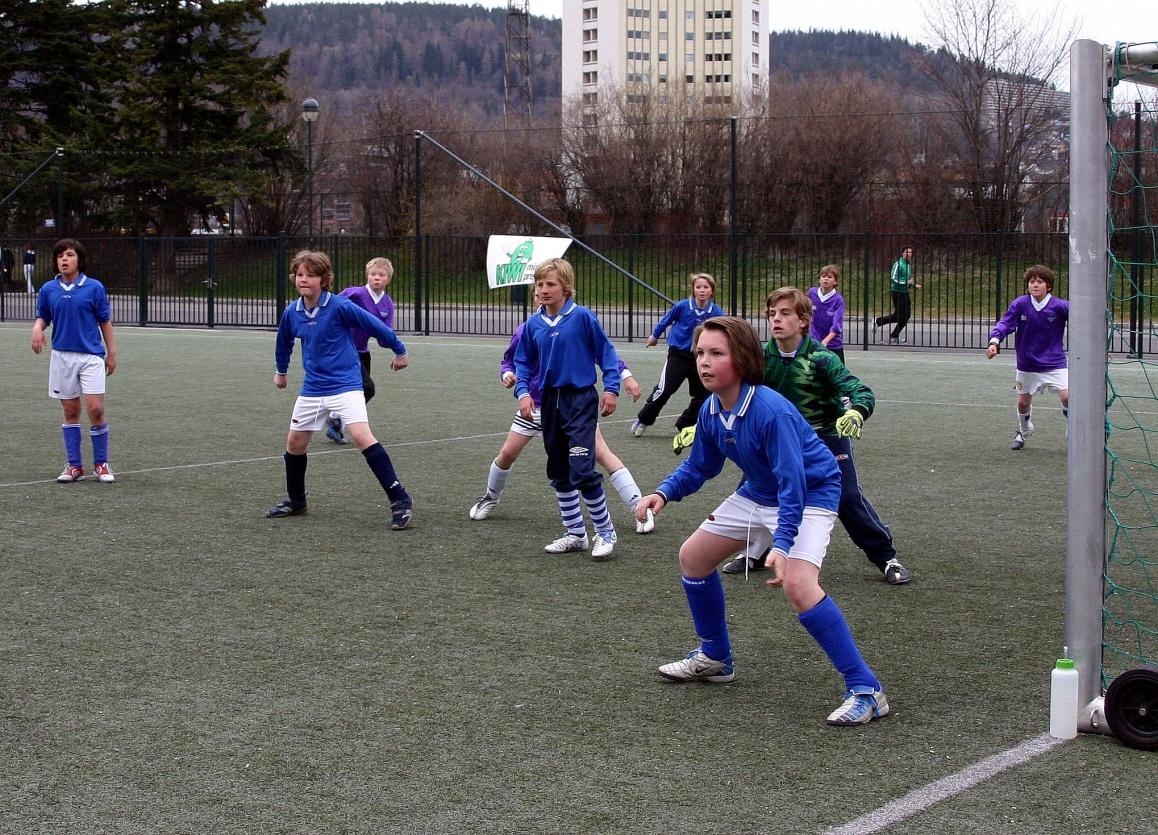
(836, 404)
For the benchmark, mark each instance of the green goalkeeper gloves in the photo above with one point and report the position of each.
(849, 424)
(683, 439)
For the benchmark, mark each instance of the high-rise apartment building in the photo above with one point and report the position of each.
(713, 50)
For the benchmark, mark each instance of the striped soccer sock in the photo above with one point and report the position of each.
(570, 512)
(596, 501)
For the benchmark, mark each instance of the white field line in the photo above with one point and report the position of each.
(918, 800)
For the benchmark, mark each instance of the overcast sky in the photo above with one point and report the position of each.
(1116, 20)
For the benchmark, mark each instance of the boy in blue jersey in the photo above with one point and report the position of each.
(683, 318)
(827, 325)
(332, 384)
(373, 298)
(562, 343)
(77, 308)
(788, 500)
(1039, 320)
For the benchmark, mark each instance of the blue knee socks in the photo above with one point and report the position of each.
(826, 624)
(71, 433)
(706, 600)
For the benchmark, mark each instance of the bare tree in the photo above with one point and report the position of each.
(997, 89)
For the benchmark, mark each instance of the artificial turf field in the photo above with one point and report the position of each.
(172, 661)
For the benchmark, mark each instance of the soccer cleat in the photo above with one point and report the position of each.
(401, 512)
(334, 431)
(736, 566)
(698, 667)
(102, 472)
(602, 546)
(647, 525)
(637, 428)
(287, 507)
(896, 574)
(566, 543)
(482, 508)
(1028, 428)
(894, 341)
(1018, 440)
(861, 705)
(70, 474)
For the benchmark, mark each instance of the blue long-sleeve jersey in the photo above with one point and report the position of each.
(329, 358)
(785, 464)
(683, 319)
(564, 350)
(76, 311)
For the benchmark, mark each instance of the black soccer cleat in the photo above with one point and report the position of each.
(400, 513)
(287, 507)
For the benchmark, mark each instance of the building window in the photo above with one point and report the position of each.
(590, 56)
(755, 39)
(590, 98)
(590, 35)
(717, 15)
(663, 56)
(756, 18)
(755, 80)
(690, 58)
(755, 59)
(591, 14)
(663, 14)
(591, 77)
(691, 79)
(689, 36)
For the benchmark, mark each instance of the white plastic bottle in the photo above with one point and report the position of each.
(1063, 699)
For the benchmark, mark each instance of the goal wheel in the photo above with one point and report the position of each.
(1132, 708)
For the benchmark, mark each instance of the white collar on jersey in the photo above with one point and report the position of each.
(311, 312)
(820, 294)
(1039, 306)
(80, 280)
(747, 393)
(568, 306)
(699, 311)
(375, 295)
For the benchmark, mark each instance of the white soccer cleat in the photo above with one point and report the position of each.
(698, 667)
(647, 525)
(103, 472)
(567, 543)
(637, 429)
(482, 508)
(603, 546)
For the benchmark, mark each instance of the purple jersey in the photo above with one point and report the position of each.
(1040, 332)
(827, 317)
(382, 308)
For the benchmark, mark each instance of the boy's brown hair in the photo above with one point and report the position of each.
(76, 246)
(1040, 271)
(316, 263)
(797, 298)
(563, 270)
(706, 277)
(747, 352)
(832, 270)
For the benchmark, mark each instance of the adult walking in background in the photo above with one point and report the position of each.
(29, 267)
(900, 279)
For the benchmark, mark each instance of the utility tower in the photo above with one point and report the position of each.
(517, 78)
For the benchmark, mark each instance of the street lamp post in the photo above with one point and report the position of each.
(310, 115)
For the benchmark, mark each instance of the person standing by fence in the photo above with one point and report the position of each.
(29, 267)
(900, 279)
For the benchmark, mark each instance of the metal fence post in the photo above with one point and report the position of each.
(866, 298)
(142, 281)
(280, 279)
(633, 243)
(210, 282)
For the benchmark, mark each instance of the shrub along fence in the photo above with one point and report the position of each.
(967, 281)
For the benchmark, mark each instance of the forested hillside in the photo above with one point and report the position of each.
(347, 52)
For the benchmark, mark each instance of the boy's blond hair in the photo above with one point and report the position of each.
(799, 300)
(563, 271)
(743, 343)
(706, 277)
(831, 269)
(316, 263)
(381, 264)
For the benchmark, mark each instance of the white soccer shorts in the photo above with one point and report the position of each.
(72, 373)
(532, 428)
(310, 413)
(742, 519)
(1032, 382)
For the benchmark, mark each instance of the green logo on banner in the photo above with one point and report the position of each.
(512, 272)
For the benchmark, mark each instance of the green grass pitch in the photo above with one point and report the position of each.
(170, 660)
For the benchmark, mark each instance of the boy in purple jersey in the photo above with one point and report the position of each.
(683, 318)
(77, 308)
(332, 383)
(373, 298)
(523, 431)
(562, 343)
(1039, 320)
(827, 325)
(788, 501)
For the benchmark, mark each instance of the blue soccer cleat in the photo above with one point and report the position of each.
(334, 431)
